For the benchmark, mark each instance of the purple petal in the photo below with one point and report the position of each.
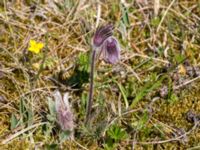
(102, 34)
(111, 50)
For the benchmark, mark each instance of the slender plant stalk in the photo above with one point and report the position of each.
(90, 99)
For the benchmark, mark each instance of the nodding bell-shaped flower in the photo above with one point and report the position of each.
(102, 34)
(111, 50)
(107, 44)
(64, 114)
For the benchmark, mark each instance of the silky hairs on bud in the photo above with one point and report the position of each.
(64, 114)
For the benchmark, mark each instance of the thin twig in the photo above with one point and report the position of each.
(132, 70)
(156, 7)
(21, 132)
(81, 146)
(169, 140)
(165, 15)
(186, 83)
(194, 148)
(98, 14)
(146, 56)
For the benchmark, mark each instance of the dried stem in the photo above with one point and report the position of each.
(90, 99)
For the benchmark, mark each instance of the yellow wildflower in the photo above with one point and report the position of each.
(35, 47)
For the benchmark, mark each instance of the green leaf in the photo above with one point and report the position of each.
(123, 91)
(52, 108)
(77, 79)
(109, 146)
(83, 62)
(155, 22)
(21, 107)
(51, 118)
(30, 116)
(117, 133)
(173, 98)
(64, 135)
(23, 111)
(179, 58)
(84, 98)
(143, 120)
(51, 147)
(147, 89)
(125, 18)
(13, 121)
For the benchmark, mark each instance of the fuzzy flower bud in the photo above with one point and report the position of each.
(64, 114)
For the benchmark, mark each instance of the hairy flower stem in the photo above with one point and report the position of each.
(90, 99)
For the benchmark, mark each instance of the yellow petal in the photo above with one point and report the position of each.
(32, 42)
(36, 51)
(40, 45)
(35, 47)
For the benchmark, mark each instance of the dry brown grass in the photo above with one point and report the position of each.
(155, 36)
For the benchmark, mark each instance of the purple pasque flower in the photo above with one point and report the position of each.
(64, 114)
(107, 44)
(111, 50)
(102, 34)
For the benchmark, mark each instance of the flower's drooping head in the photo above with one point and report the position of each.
(111, 50)
(102, 34)
(107, 44)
